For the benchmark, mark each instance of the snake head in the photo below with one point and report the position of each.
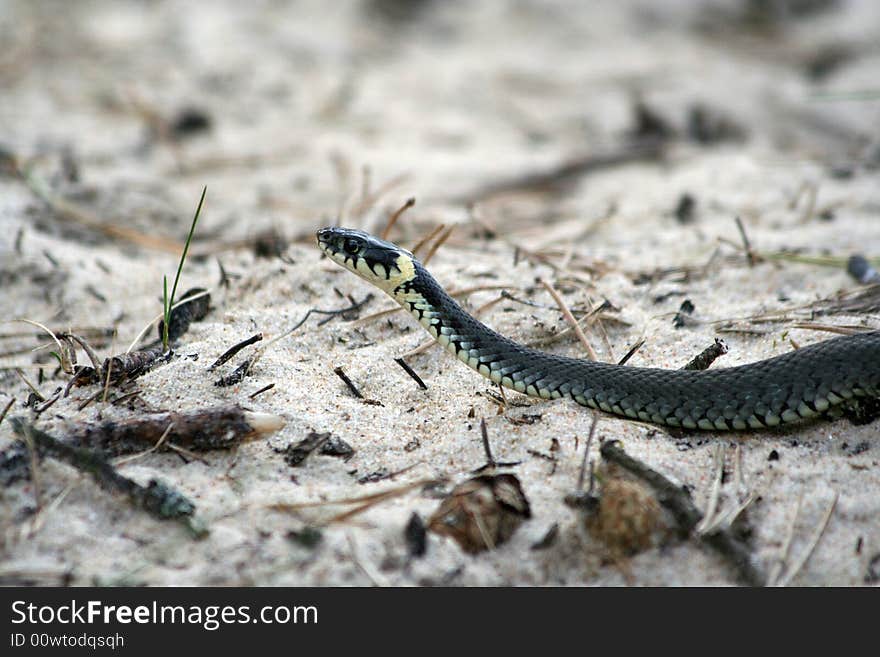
(381, 263)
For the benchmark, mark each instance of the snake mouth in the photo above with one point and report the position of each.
(326, 240)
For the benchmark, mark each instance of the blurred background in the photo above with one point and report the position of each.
(293, 111)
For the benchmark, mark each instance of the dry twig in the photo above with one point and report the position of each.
(570, 319)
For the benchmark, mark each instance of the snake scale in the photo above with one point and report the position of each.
(795, 386)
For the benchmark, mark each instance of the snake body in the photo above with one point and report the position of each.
(795, 386)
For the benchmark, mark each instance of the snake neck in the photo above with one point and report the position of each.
(487, 352)
(432, 307)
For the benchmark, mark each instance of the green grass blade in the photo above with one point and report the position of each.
(166, 313)
(192, 229)
(169, 301)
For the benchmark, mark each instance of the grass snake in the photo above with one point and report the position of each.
(798, 385)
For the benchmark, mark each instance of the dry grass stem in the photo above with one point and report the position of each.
(570, 318)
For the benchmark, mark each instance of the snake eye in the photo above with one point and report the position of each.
(351, 246)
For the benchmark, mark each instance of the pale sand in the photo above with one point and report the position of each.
(467, 93)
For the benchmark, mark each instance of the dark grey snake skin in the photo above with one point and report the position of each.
(797, 385)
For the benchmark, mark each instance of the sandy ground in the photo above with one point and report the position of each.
(338, 112)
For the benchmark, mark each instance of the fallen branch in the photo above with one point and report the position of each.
(155, 498)
(222, 427)
(678, 502)
(566, 172)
